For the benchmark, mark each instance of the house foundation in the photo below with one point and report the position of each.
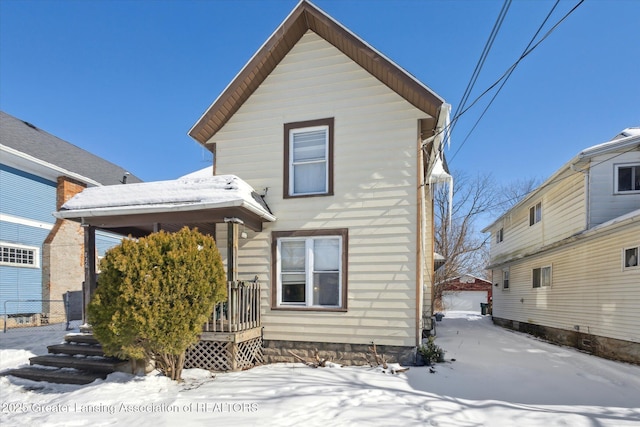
(608, 348)
(279, 351)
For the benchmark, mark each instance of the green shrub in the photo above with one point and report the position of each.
(154, 294)
(431, 353)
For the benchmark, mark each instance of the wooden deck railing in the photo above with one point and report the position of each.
(240, 312)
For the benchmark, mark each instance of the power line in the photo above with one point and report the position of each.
(510, 70)
(504, 81)
(482, 59)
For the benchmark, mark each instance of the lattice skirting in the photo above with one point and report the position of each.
(225, 356)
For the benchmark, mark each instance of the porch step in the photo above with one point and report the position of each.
(81, 338)
(76, 349)
(79, 360)
(59, 376)
(98, 364)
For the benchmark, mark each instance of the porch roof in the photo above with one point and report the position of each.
(138, 209)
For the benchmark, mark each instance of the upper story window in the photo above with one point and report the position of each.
(310, 269)
(19, 256)
(630, 258)
(535, 214)
(542, 277)
(500, 235)
(308, 158)
(627, 178)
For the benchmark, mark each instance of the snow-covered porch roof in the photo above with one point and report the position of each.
(139, 209)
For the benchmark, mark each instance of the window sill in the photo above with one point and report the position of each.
(319, 309)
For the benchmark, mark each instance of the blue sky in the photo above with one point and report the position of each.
(126, 80)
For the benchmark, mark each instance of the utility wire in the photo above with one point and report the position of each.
(506, 78)
(509, 71)
(482, 59)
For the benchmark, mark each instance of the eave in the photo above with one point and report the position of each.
(303, 18)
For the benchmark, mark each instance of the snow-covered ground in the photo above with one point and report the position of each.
(498, 378)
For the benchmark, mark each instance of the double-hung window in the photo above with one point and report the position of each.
(505, 278)
(627, 178)
(308, 159)
(310, 269)
(500, 235)
(535, 214)
(542, 277)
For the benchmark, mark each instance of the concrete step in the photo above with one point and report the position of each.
(81, 338)
(60, 376)
(92, 364)
(76, 349)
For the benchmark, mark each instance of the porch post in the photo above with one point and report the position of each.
(232, 248)
(89, 287)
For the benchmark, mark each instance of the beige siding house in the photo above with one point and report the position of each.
(565, 259)
(340, 142)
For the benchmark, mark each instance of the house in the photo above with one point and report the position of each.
(565, 258)
(41, 257)
(338, 148)
(464, 293)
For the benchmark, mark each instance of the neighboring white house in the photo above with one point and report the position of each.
(565, 259)
(341, 146)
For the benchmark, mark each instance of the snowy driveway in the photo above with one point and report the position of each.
(499, 378)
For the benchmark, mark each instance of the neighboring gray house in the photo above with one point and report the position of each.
(41, 258)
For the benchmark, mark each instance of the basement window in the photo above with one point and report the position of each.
(13, 255)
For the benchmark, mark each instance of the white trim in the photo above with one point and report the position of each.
(616, 168)
(41, 165)
(541, 268)
(624, 258)
(35, 255)
(25, 221)
(309, 271)
(325, 160)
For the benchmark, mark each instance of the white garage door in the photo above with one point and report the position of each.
(464, 300)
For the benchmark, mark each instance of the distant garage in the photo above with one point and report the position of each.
(464, 300)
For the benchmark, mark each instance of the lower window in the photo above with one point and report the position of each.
(310, 269)
(541, 277)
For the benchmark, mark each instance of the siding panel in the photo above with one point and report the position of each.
(374, 185)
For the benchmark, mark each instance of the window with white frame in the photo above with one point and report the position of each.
(627, 177)
(505, 278)
(310, 269)
(308, 158)
(542, 277)
(535, 214)
(500, 235)
(630, 258)
(19, 255)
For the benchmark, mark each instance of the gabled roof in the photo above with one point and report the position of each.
(627, 140)
(28, 148)
(306, 17)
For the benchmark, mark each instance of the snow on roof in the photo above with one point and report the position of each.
(182, 191)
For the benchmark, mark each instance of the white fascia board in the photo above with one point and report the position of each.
(39, 167)
(160, 208)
